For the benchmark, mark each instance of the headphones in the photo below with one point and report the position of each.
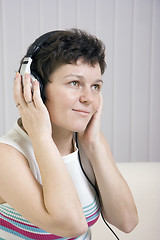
(25, 66)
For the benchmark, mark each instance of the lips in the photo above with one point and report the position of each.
(81, 112)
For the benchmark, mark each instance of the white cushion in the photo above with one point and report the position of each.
(144, 181)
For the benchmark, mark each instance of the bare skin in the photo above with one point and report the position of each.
(2, 201)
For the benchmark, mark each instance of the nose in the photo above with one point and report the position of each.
(86, 96)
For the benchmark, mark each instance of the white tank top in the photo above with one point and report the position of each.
(13, 226)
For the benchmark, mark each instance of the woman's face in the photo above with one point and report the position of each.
(73, 95)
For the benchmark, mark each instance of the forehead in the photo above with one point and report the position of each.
(80, 68)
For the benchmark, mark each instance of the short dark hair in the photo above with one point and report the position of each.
(66, 47)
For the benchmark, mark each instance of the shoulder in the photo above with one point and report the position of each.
(10, 157)
(11, 151)
(15, 142)
(14, 166)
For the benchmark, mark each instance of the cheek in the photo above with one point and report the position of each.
(66, 99)
(64, 103)
(59, 103)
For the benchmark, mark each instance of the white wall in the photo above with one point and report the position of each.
(131, 31)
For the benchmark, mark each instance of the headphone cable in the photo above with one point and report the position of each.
(79, 158)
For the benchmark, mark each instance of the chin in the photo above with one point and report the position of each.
(80, 128)
(74, 125)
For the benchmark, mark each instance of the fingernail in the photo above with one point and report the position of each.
(17, 75)
(36, 82)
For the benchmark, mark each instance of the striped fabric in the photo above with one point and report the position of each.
(15, 227)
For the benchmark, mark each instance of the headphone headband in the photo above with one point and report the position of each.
(34, 48)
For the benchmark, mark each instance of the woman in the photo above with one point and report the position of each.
(46, 179)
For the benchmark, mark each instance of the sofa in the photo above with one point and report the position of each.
(144, 181)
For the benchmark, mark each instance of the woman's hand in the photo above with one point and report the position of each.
(34, 114)
(91, 136)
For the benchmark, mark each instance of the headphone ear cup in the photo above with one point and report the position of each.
(34, 75)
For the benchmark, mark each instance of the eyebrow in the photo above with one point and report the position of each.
(82, 77)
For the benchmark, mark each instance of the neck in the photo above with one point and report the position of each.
(63, 139)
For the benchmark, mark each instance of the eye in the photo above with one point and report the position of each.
(96, 87)
(75, 83)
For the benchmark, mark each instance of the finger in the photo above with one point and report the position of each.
(27, 88)
(37, 95)
(98, 113)
(101, 102)
(18, 91)
(100, 108)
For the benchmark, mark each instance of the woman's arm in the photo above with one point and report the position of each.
(117, 202)
(2, 201)
(49, 211)
(54, 206)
